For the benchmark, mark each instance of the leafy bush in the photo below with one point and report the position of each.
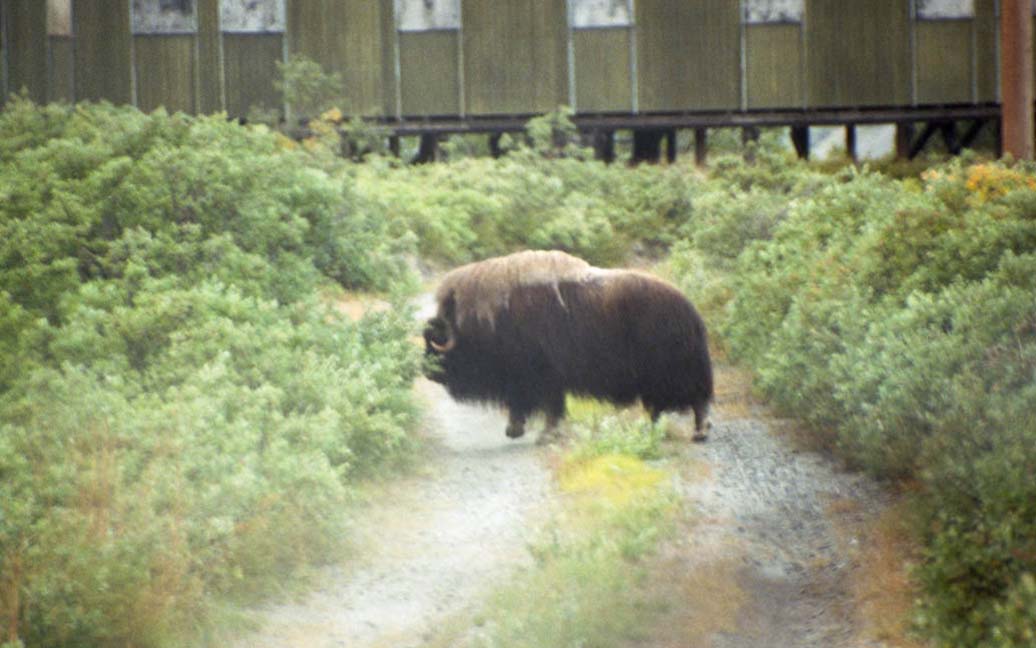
(897, 317)
(583, 589)
(181, 412)
(478, 207)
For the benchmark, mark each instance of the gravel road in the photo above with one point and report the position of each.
(431, 545)
(769, 551)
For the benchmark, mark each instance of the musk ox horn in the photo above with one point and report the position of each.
(446, 347)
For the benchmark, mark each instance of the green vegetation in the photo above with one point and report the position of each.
(181, 413)
(588, 583)
(184, 412)
(897, 318)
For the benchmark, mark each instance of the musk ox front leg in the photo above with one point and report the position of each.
(516, 423)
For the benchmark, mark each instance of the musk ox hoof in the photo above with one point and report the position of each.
(548, 437)
(702, 434)
(515, 431)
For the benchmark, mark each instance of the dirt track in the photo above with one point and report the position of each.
(769, 557)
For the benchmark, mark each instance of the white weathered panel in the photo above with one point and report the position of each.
(774, 11)
(426, 15)
(163, 16)
(59, 17)
(600, 13)
(252, 15)
(940, 9)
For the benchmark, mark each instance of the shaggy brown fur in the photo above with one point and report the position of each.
(525, 329)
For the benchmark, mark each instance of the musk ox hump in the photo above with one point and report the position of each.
(481, 289)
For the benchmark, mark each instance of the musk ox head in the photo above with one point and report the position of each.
(470, 296)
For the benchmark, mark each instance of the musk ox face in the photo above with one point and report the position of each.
(524, 330)
(437, 343)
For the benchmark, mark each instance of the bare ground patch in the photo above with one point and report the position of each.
(781, 546)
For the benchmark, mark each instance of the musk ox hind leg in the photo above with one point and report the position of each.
(555, 411)
(702, 424)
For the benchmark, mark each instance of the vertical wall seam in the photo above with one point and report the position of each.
(912, 10)
(196, 68)
(571, 55)
(5, 35)
(462, 91)
(804, 55)
(743, 54)
(397, 65)
(128, 24)
(634, 78)
(221, 59)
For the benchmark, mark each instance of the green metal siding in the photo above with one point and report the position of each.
(26, 30)
(602, 60)
(858, 53)
(209, 86)
(774, 65)
(944, 61)
(250, 66)
(165, 72)
(103, 45)
(429, 72)
(515, 56)
(688, 55)
(61, 69)
(345, 36)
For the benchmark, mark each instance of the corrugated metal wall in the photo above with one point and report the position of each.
(944, 55)
(602, 69)
(25, 24)
(164, 67)
(774, 64)
(429, 64)
(859, 53)
(209, 59)
(347, 37)
(706, 74)
(249, 68)
(516, 57)
(103, 50)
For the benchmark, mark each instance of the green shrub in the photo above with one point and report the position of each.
(897, 318)
(182, 414)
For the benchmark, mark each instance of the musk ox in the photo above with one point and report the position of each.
(524, 330)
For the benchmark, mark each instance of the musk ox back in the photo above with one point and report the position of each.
(525, 329)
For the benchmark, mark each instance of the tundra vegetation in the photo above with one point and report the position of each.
(185, 415)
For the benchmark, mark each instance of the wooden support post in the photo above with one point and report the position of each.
(428, 150)
(393, 144)
(949, 137)
(1016, 69)
(749, 135)
(919, 144)
(800, 138)
(647, 145)
(494, 145)
(850, 142)
(604, 145)
(701, 145)
(670, 145)
(969, 136)
(904, 139)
